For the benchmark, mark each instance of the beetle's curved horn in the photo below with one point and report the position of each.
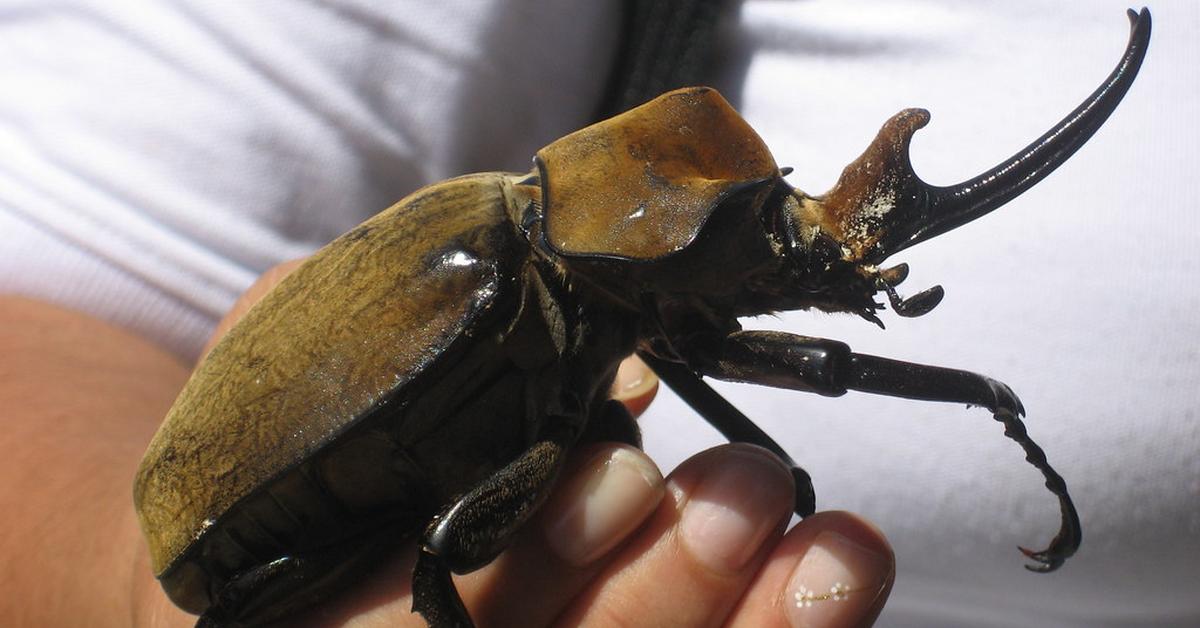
(882, 207)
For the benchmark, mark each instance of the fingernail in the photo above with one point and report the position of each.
(634, 379)
(734, 508)
(602, 503)
(838, 582)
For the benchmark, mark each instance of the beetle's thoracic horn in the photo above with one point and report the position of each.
(883, 207)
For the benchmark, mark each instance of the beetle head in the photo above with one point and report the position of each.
(836, 242)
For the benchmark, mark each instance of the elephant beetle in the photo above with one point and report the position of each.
(424, 376)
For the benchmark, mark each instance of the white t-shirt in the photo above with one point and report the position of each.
(153, 161)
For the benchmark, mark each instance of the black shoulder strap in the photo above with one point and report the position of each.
(665, 44)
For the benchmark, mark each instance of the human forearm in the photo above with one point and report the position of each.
(79, 399)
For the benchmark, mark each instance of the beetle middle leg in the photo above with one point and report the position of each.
(614, 424)
(731, 423)
(830, 368)
(472, 531)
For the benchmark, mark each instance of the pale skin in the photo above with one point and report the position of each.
(82, 398)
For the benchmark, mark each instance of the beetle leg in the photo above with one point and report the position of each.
(271, 591)
(828, 367)
(473, 530)
(730, 422)
(614, 424)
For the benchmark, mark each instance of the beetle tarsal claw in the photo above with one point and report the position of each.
(1064, 545)
(1008, 410)
(1045, 561)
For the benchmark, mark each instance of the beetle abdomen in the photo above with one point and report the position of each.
(367, 316)
(305, 509)
(297, 513)
(385, 477)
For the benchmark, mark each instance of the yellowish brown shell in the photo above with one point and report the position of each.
(360, 319)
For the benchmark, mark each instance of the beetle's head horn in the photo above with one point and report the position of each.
(879, 206)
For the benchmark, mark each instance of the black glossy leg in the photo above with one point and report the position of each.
(829, 368)
(730, 421)
(434, 595)
(472, 531)
(270, 592)
(614, 424)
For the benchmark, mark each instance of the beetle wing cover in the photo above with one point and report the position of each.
(642, 184)
(360, 319)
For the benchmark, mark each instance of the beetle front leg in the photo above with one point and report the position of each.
(829, 368)
(472, 531)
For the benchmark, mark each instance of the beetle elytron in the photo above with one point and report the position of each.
(430, 369)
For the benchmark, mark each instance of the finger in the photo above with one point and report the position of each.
(635, 386)
(833, 569)
(252, 295)
(604, 499)
(601, 500)
(690, 564)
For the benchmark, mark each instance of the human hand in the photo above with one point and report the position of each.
(616, 545)
(619, 544)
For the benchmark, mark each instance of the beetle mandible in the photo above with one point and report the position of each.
(426, 374)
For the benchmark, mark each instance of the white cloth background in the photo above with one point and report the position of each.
(155, 157)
